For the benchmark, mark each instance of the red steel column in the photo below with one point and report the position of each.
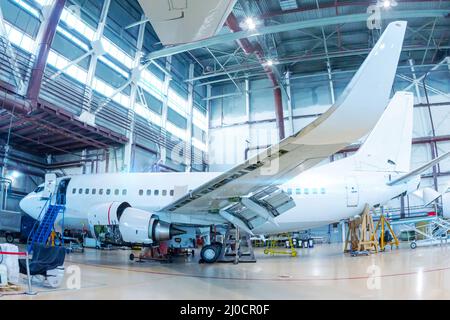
(248, 48)
(44, 43)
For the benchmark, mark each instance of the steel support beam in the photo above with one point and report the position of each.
(256, 49)
(284, 27)
(307, 58)
(289, 102)
(166, 86)
(330, 82)
(418, 80)
(94, 58)
(416, 85)
(188, 152)
(44, 43)
(130, 146)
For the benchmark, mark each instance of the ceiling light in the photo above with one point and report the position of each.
(15, 174)
(387, 4)
(251, 25)
(269, 62)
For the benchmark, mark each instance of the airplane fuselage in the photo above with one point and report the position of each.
(323, 195)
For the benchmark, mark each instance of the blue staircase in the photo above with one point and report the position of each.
(41, 231)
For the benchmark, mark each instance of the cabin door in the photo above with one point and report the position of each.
(352, 192)
(49, 186)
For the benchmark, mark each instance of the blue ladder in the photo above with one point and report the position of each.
(40, 234)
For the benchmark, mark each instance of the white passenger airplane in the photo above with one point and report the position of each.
(279, 190)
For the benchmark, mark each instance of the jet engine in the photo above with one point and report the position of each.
(135, 225)
(139, 226)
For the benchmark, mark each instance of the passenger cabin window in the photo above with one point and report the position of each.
(80, 191)
(74, 190)
(164, 193)
(314, 191)
(108, 192)
(172, 193)
(156, 192)
(86, 191)
(298, 191)
(306, 191)
(116, 192)
(141, 192)
(149, 192)
(100, 192)
(322, 191)
(94, 191)
(124, 192)
(289, 191)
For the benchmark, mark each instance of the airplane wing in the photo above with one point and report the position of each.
(248, 196)
(184, 21)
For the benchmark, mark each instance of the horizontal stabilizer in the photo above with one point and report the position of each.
(418, 171)
(427, 195)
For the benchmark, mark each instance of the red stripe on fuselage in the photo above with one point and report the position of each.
(109, 214)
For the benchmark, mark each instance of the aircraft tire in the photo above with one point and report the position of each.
(210, 253)
(9, 238)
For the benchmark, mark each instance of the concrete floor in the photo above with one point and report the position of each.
(320, 273)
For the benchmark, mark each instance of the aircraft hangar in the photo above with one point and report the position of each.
(224, 149)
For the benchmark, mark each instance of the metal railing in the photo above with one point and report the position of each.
(38, 221)
(26, 256)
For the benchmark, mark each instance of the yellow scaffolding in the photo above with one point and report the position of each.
(272, 247)
(384, 224)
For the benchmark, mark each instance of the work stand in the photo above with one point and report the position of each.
(234, 251)
(360, 239)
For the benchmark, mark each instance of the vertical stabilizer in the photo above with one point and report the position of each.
(388, 147)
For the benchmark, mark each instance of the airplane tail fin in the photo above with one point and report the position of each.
(388, 147)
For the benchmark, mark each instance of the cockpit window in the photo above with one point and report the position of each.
(39, 189)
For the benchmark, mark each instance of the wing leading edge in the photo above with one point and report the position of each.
(349, 119)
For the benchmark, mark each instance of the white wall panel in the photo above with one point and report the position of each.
(441, 119)
(444, 147)
(227, 147)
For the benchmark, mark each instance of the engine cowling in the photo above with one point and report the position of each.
(107, 214)
(139, 226)
(135, 225)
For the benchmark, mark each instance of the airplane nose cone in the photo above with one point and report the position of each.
(25, 205)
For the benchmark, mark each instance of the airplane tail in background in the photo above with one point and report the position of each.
(388, 147)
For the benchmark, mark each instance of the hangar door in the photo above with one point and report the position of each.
(352, 192)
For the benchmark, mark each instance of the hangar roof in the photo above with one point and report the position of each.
(298, 49)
